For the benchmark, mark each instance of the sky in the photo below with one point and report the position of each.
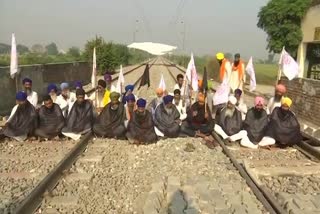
(208, 26)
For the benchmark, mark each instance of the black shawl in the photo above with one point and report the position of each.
(255, 124)
(230, 125)
(167, 123)
(200, 119)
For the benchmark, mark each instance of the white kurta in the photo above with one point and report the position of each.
(33, 98)
(66, 104)
(227, 73)
(272, 105)
(235, 82)
(242, 107)
(182, 110)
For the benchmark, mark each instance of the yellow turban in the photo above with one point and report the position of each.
(220, 56)
(286, 101)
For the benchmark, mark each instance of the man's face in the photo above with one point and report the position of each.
(80, 99)
(131, 103)
(169, 105)
(177, 97)
(20, 102)
(159, 95)
(52, 92)
(285, 107)
(65, 92)
(230, 106)
(180, 81)
(141, 110)
(236, 59)
(201, 103)
(28, 86)
(100, 88)
(259, 107)
(114, 104)
(238, 96)
(48, 104)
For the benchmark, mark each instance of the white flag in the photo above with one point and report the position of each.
(94, 69)
(162, 83)
(252, 74)
(14, 57)
(288, 65)
(191, 74)
(120, 81)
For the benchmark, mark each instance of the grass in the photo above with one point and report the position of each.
(266, 74)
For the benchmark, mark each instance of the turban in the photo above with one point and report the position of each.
(130, 97)
(141, 103)
(220, 56)
(201, 97)
(167, 99)
(238, 91)
(177, 91)
(80, 92)
(26, 80)
(46, 98)
(107, 77)
(102, 83)
(114, 96)
(64, 85)
(159, 91)
(78, 84)
(232, 100)
(200, 82)
(52, 87)
(258, 100)
(281, 88)
(286, 101)
(129, 87)
(21, 96)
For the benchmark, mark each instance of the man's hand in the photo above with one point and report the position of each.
(206, 115)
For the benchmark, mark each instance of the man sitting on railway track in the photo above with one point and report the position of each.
(276, 100)
(141, 126)
(128, 91)
(110, 123)
(199, 122)
(50, 119)
(178, 102)
(80, 118)
(284, 127)
(22, 120)
(255, 124)
(167, 118)
(229, 123)
(66, 99)
(32, 95)
(97, 96)
(156, 101)
(130, 107)
(240, 105)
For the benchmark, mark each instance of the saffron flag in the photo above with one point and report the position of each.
(94, 69)
(222, 94)
(162, 84)
(191, 74)
(13, 57)
(120, 81)
(252, 74)
(288, 65)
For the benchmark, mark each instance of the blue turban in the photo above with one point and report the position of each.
(167, 99)
(129, 87)
(238, 91)
(141, 103)
(130, 97)
(52, 87)
(21, 96)
(26, 80)
(78, 84)
(107, 77)
(64, 85)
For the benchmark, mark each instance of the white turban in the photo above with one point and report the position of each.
(232, 100)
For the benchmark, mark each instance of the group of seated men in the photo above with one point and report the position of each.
(109, 114)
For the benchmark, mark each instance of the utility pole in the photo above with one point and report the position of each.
(184, 39)
(135, 30)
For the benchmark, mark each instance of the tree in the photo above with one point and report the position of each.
(228, 56)
(4, 48)
(22, 49)
(74, 51)
(281, 20)
(52, 49)
(37, 48)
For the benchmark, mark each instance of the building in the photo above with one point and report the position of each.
(309, 50)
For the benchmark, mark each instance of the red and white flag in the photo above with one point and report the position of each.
(252, 74)
(13, 57)
(120, 81)
(94, 69)
(162, 84)
(191, 74)
(288, 65)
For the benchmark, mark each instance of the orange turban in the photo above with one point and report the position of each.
(201, 97)
(200, 83)
(159, 91)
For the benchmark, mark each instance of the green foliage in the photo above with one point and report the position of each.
(4, 48)
(74, 51)
(38, 49)
(281, 20)
(22, 49)
(52, 49)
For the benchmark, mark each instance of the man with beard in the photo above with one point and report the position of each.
(255, 124)
(50, 119)
(66, 99)
(229, 123)
(32, 95)
(130, 107)
(156, 101)
(52, 91)
(276, 100)
(240, 105)
(283, 127)
(179, 104)
(110, 123)
(225, 69)
(80, 117)
(98, 95)
(237, 77)
(22, 120)
(167, 118)
(141, 127)
(199, 122)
